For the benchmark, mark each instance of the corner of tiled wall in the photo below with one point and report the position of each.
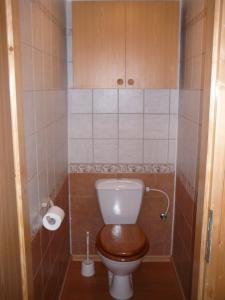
(192, 76)
(45, 101)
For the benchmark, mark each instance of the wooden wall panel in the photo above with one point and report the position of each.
(11, 283)
(98, 44)
(15, 254)
(212, 274)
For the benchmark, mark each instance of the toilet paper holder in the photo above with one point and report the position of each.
(53, 216)
(47, 203)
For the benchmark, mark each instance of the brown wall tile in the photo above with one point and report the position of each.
(184, 202)
(51, 251)
(36, 253)
(184, 228)
(38, 285)
(86, 216)
(84, 184)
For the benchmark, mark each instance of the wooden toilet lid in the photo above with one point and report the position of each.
(124, 242)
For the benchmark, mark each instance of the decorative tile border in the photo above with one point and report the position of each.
(122, 168)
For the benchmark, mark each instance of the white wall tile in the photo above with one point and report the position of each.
(130, 101)
(68, 14)
(131, 126)
(37, 26)
(61, 128)
(80, 100)
(31, 155)
(27, 68)
(156, 101)
(32, 194)
(60, 103)
(80, 126)
(105, 126)
(29, 109)
(40, 109)
(196, 72)
(173, 126)
(47, 34)
(81, 151)
(198, 37)
(156, 126)
(156, 151)
(45, 106)
(49, 107)
(130, 151)
(38, 74)
(25, 21)
(42, 186)
(174, 101)
(172, 151)
(42, 150)
(50, 149)
(51, 169)
(70, 83)
(69, 48)
(105, 151)
(105, 101)
(107, 123)
(190, 105)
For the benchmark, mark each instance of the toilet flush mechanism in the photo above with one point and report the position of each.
(163, 215)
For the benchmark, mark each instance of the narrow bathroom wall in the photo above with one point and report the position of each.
(120, 133)
(189, 131)
(43, 50)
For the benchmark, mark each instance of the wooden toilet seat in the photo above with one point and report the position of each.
(124, 243)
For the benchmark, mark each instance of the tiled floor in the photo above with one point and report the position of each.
(152, 281)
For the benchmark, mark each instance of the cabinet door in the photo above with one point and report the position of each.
(99, 44)
(152, 44)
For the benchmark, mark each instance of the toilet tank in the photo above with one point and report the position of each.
(120, 199)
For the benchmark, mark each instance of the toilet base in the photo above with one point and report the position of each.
(121, 286)
(120, 277)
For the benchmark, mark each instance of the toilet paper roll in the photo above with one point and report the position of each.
(53, 218)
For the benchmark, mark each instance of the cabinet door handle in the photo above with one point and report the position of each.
(120, 81)
(130, 81)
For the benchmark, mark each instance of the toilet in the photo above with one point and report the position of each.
(121, 244)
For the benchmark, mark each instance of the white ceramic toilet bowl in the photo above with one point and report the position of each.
(120, 277)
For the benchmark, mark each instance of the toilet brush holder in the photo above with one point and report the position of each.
(87, 268)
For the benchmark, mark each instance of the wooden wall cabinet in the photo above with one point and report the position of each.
(98, 44)
(125, 44)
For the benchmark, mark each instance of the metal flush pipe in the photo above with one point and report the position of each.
(163, 215)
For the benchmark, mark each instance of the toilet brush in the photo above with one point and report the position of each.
(87, 266)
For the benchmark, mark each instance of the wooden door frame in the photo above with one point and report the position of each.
(209, 162)
(17, 123)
